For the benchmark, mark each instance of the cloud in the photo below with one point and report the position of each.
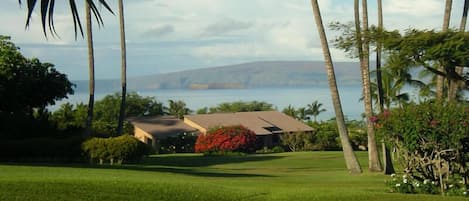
(225, 26)
(159, 31)
(418, 8)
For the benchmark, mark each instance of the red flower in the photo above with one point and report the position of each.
(374, 119)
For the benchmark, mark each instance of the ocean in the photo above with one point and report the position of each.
(279, 97)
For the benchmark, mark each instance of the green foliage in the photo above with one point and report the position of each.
(27, 86)
(436, 133)
(177, 109)
(106, 113)
(290, 111)
(118, 150)
(326, 135)
(298, 141)
(241, 106)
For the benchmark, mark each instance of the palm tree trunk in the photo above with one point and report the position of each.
(455, 85)
(379, 49)
(350, 159)
(89, 35)
(120, 124)
(373, 157)
(440, 81)
(387, 160)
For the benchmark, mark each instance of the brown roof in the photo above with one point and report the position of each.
(161, 126)
(262, 122)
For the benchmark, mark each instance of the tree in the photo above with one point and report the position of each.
(440, 85)
(123, 68)
(240, 106)
(27, 87)
(89, 35)
(290, 111)
(47, 14)
(314, 109)
(456, 85)
(302, 113)
(363, 46)
(430, 50)
(47, 17)
(28, 84)
(350, 159)
(177, 109)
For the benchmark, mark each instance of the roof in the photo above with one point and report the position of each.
(161, 126)
(261, 122)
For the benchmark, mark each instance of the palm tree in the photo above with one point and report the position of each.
(363, 47)
(177, 109)
(47, 18)
(302, 113)
(89, 36)
(455, 85)
(315, 109)
(290, 111)
(350, 159)
(120, 123)
(47, 14)
(379, 49)
(440, 85)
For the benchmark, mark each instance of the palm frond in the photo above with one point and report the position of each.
(47, 14)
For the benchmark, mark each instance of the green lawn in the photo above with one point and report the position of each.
(286, 176)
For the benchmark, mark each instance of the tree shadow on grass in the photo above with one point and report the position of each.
(177, 160)
(180, 164)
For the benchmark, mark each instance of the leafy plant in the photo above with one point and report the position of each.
(226, 139)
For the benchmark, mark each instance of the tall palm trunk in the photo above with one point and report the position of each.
(440, 80)
(120, 124)
(350, 159)
(89, 36)
(455, 84)
(387, 161)
(364, 52)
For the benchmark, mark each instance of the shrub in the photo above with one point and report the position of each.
(431, 139)
(299, 141)
(120, 149)
(226, 139)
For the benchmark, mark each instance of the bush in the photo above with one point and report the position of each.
(431, 139)
(118, 150)
(265, 150)
(226, 139)
(299, 141)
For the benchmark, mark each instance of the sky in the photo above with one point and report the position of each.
(173, 35)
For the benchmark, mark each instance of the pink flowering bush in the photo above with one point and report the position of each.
(432, 141)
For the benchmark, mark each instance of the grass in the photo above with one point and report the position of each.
(185, 177)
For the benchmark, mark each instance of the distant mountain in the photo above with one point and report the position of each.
(247, 75)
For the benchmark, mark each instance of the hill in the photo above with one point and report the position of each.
(247, 75)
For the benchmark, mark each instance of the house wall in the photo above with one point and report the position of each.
(196, 126)
(142, 135)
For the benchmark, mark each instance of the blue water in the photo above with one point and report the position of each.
(279, 97)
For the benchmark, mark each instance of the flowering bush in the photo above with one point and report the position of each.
(226, 139)
(408, 184)
(432, 141)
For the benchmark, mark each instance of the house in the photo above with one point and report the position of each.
(150, 129)
(266, 124)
